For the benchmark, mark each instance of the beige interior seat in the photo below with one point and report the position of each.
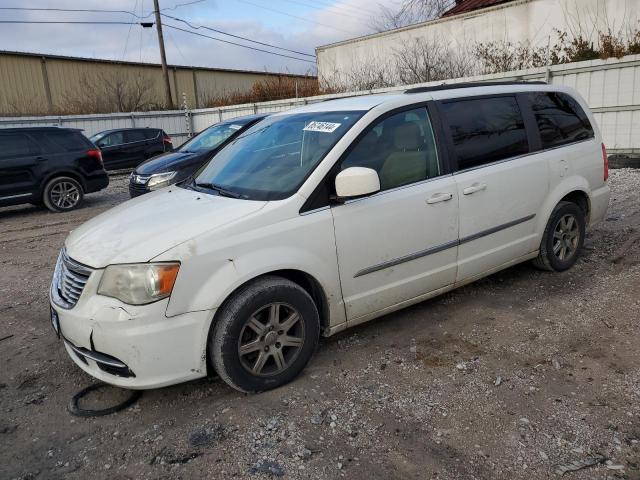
(408, 164)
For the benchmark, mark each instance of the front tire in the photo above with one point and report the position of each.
(62, 194)
(264, 335)
(562, 239)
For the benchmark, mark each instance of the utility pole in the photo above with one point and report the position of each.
(163, 57)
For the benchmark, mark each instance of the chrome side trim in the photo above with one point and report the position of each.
(95, 356)
(441, 247)
(407, 258)
(17, 196)
(493, 230)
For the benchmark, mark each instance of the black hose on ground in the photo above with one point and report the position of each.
(74, 409)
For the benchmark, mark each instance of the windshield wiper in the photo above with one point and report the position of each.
(217, 188)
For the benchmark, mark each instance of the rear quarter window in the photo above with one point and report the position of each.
(485, 130)
(151, 133)
(63, 141)
(135, 135)
(560, 119)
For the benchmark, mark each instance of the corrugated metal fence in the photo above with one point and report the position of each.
(611, 87)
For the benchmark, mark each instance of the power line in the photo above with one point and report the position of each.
(126, 42)
(295, 16)
(141, 33)
(68, 22)
(143, 17)
(178, 5)
(86, 10)
(175, 44)
(196, 27)
(98, 10)
(238, 44)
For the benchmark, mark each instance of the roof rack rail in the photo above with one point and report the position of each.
(453, 86)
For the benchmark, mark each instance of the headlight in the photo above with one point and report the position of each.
(139, 283)
(160, 180)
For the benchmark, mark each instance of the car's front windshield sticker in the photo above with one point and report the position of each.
(324, 127)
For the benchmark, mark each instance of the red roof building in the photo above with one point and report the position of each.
(466, 6)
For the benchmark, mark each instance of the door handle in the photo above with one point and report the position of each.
(41, 159)
(475, 187)
(439, 197)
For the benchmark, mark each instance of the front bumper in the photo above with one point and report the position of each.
(136, 347)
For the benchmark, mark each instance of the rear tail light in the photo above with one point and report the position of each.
(95, 154)
(166, 139)
(605, 161)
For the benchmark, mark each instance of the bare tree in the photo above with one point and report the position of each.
(409, 12)
(363, 74)
(427, 60)
(106, 93)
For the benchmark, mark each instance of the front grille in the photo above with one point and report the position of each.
(69, 280)
(136, 190)
(138, 187)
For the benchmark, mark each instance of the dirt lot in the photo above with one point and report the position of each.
(506, 378)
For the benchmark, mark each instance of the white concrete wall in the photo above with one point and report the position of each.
(610, 87)
(532, 21)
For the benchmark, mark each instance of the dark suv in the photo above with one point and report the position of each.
(176, 166)
(129, 147)
(48, 165)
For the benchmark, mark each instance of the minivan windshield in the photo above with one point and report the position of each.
(212, 137)
(272, 159)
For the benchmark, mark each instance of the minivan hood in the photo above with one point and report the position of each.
(168, 161)
(142, 228)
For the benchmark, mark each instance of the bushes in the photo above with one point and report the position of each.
(495, 57)
(272, 88)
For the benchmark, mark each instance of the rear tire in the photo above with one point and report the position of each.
(62, 194)
(264, 335)
(562, 239)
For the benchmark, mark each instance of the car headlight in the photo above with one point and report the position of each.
(139, 283)
(159, 180)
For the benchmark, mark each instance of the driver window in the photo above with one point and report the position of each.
(401, 148)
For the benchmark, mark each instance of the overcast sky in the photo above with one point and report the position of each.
(319, 22)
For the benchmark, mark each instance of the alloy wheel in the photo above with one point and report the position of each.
(65, 195)
(566, 237)
(271, 339)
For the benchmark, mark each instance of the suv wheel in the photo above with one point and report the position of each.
(264, 335)
(562, 239)
(62, 194)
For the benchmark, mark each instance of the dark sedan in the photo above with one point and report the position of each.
(178, 165)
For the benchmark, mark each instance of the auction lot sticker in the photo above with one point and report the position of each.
(324, 127)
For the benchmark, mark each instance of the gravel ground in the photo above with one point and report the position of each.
(512, 377)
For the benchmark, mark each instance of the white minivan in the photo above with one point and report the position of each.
(323, 217)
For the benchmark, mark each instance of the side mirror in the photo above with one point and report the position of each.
(101, 144)
(356, 182)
